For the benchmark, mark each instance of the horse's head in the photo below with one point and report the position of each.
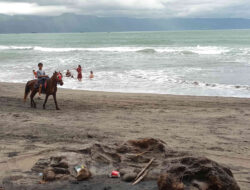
(58, 77)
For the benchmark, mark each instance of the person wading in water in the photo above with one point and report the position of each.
(79, 71)
(91, 76)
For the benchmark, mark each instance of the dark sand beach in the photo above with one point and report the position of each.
(215, 127)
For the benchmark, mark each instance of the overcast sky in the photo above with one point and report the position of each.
(131, 8)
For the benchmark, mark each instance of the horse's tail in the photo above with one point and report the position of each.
(26, 92)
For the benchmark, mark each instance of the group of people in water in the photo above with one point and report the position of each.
(41, 76)
(79, 73)
(68, 73)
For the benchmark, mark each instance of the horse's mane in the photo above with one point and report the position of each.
(54, 75)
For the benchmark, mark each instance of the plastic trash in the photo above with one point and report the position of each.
(78, 168)
(40, 174)
(115, 174)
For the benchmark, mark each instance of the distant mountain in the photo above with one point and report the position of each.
(82, 23)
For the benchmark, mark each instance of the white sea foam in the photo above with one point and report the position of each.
(16, 47)
(152, 81)
(202, 50)
(160, 81)
(187, 70)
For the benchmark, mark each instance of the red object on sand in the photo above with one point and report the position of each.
(115, 174)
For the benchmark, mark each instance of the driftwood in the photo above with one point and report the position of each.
(140, 154)
(141, 178)
(146, 167)
(243, 181)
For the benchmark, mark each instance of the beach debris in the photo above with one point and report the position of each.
(114, 174)
(144, 169)
(60, 164)
(167, 181)
(13, 154)
(40, 165)
(53, 168)
(124, 171)
(55, 173)
(141, 177)
(83, 174)
(200, 184)
(137, 160)
(142, 146)
(196, 173)
(143, 172)
(49, 174)
(59, 170)
(78, 168)
(129, 177)
(40, 174)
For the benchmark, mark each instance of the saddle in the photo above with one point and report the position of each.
(44, 85)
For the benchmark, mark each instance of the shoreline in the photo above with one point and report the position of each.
(215, 127)
(136, 93)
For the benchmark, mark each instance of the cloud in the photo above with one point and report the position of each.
(207, 8)
(132, 8)
(24, 8)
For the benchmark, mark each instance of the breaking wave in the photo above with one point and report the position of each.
(148, 50)
(16, 47)
(201, 50)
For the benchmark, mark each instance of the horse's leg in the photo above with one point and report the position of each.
(45, 101)
(54, 96)
(31, 101)
(33, 93)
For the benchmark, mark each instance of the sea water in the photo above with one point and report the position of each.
(206, 63)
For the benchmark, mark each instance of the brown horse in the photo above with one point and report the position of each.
(51, 89)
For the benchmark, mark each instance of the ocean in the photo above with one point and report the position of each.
(202, 63)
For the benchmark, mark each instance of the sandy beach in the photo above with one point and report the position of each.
(215, 127)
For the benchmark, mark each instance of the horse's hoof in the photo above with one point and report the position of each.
(57, 108)
(44, 107)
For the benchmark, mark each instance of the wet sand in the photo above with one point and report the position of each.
(215, 127)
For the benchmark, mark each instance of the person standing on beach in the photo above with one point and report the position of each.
(79, 71)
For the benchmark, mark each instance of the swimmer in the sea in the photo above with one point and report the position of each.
(91, 76)
(68, 74)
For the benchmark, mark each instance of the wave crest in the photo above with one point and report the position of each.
(147, 50)
(201, 50)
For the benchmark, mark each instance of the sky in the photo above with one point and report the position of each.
(131, 8)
